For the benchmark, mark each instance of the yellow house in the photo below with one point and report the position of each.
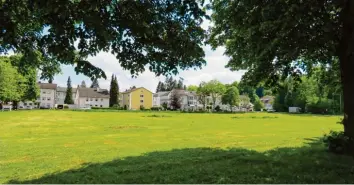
(136, 97)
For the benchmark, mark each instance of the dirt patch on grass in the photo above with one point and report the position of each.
(157, 116)
(255, 117)
(126, 127)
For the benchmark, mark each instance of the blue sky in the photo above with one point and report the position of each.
(214, 69)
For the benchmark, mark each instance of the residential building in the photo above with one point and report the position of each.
(91, 97)
(268, 102)
(47, 95)
(188, 99)
(134, 98)
(61, 94)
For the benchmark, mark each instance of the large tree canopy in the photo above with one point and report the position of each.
(163, 35)
(273, 39)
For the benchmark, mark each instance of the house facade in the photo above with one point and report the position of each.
(47, 95)
(61, 93)
(134, 98)
(91, 97)
(268, 102)
(188, 99)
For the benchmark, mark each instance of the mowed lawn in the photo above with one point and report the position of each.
(159, 147)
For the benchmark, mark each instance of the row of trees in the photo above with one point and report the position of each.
(210, 92)
(170, 84)
(17, 85)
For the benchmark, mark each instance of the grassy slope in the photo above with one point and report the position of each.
(111, 147)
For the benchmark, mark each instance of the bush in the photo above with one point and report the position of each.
(156, 108)
(142, 107)
(125, 107)
(66, 106)
(320, 107)
(116, 106)
(339, 143)
(217, 108)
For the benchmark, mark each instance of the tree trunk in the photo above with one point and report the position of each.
(346, 57)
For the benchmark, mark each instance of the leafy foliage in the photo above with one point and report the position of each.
(231, 97)
(16, 86)
(95, 84)
(338, 142)
(165, 35)
(192, 88)
(215, 89)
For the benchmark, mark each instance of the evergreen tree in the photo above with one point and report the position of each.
(83, 84)
(158, 88)
(95, 84)
(114, 92)
(180, 84)
(69, 93)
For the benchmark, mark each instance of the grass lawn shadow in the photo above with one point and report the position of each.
(308, 164)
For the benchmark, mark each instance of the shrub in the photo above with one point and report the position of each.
(115, 106)
(66, 107)
(142, 107)
(125, 107)
(156, 108)
(339, 143)
(217, 109)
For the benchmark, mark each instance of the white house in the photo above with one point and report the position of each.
(188, 99)
(61, 93)
(47, 95)
(268, 102)
(91, 97)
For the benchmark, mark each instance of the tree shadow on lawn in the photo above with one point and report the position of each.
(308, 164)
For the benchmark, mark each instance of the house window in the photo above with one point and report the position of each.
(91, 99)
(141, 101)
(100, 105)
(95, 105)
(29, 103)
(96, 99)
(43, 92)
(142, 96)
(25, 104)
(43, 98)
(90, 105)
(48, 98)
(87, 99)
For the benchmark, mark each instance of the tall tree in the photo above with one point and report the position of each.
(95, 84)
(158, 88)
(180, 84)
(69, 93)
(216, 89)
(202, 93)
(113, 92)
(9, 82)
(273, 39)
(175, 99)
(231, 97)
(83, 84)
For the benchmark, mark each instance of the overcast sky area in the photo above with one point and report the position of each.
(214, 69)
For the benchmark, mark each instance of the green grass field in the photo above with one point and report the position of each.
(127, 147)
